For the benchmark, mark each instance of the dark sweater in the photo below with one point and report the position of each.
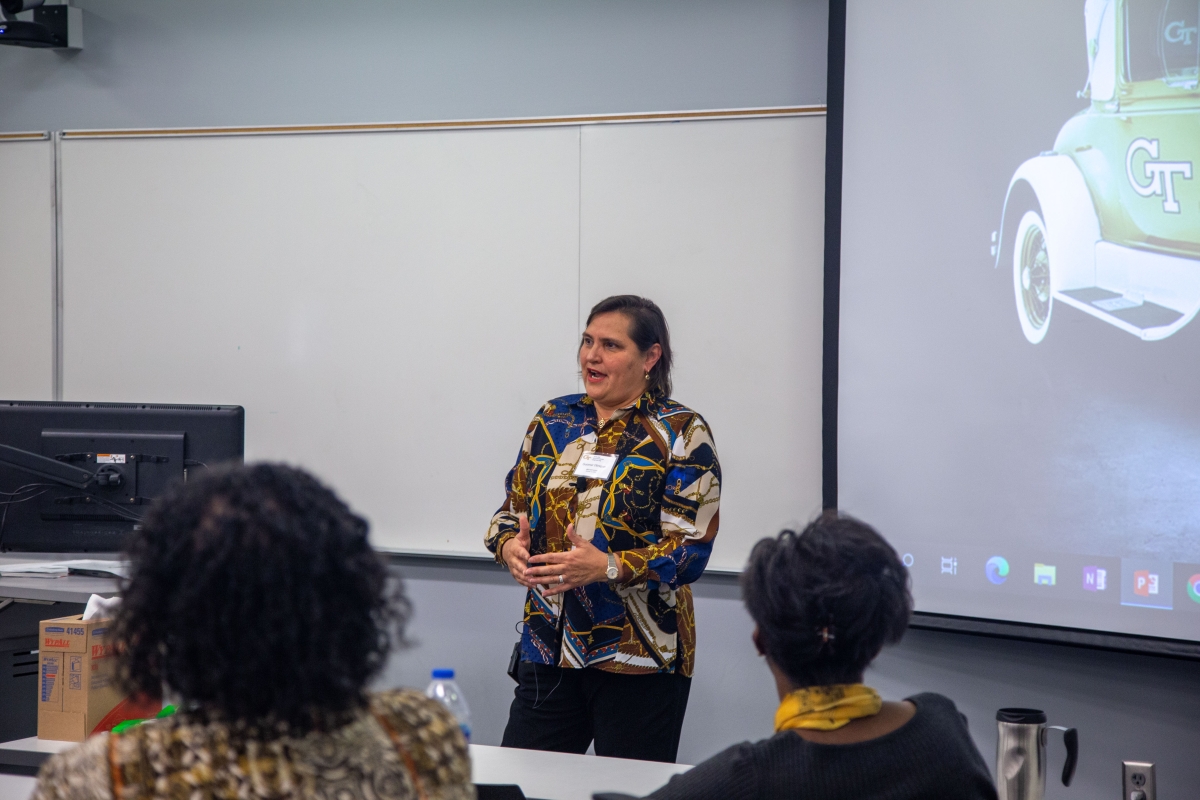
(930, 756)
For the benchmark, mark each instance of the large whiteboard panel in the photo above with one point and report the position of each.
(721, 224)
(391, 309)
(26, 270)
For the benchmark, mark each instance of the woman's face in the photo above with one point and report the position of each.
(613, 368)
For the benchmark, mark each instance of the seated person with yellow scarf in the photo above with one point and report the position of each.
(824, 603)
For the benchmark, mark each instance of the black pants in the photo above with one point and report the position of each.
(628, 716)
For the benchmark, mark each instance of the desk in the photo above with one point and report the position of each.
(69, 589)
(24, 756)
(550, 776)
(27, 755)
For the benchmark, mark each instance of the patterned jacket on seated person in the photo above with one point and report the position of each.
(255, 595)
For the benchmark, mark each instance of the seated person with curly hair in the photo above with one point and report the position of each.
(255, 595)
(824, 603)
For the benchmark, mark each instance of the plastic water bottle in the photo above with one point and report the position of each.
(443, 689)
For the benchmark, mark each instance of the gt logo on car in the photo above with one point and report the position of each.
(1161, 174)
(1176, 33)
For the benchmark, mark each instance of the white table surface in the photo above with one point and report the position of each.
(548, 776)
(565, 776)
(36, 745)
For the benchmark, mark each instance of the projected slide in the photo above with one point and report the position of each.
(1124, 251)
(1019, 402)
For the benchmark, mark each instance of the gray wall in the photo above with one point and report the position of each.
(171, 63)
(252, 62)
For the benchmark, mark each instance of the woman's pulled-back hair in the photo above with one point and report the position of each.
(647, 327)
(826, 600)
(255, 595)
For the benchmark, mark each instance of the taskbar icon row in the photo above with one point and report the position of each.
(1144, 582)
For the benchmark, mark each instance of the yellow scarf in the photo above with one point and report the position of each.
(826, 708)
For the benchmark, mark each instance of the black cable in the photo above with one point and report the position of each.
(6, 503)
(25, 490)
(30, 487)
(124, 512)
(537, 689)
(24, 495)
(23, 499)
(121, 511)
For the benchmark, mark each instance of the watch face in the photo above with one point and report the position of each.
(612, 574)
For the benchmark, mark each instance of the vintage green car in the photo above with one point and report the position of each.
(1109, 220)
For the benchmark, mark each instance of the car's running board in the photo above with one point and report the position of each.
(1143, 319)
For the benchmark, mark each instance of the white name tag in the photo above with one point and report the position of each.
(595, 465)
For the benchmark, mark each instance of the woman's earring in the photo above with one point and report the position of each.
(646, 377)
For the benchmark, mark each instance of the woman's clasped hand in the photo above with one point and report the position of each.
(558, 572)
(584, 563)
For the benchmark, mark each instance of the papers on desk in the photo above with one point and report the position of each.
(94, 568)
(33, 571)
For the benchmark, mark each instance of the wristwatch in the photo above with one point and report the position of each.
(613, 572)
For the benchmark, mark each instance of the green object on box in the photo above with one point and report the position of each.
(129, 723)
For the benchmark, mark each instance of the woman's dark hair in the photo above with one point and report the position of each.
(826, 600)
(647, 327)
(255, 594)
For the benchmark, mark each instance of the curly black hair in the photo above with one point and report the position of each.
(826, 600)
(256, 596)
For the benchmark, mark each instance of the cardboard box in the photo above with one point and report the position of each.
(77, 691)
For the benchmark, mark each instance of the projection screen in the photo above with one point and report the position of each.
(1019, 392)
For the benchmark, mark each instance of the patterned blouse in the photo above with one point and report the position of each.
(657, 510)
(403, 746)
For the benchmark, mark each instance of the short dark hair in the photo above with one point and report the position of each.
(256, 595)
(647, 327)
(826, 600)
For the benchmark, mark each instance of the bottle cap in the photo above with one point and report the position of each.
(443, 673)
(1022, 716)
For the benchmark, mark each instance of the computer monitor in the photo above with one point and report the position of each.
(77, 477)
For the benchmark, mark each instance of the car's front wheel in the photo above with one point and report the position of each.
(1031, 276)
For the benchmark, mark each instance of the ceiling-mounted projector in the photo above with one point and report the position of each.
(41, 23)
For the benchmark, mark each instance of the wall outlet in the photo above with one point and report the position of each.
(1137, 778)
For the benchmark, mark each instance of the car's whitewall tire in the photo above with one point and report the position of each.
(1032, 286)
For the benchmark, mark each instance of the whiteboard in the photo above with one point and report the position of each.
(392, 308)
(388, 308)
(26, 269)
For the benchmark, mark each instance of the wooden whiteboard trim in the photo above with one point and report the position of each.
(31, 136)
(390, 127)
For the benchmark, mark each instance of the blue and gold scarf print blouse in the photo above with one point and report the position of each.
(658, 511)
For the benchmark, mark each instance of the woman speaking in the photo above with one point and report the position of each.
(611, 512)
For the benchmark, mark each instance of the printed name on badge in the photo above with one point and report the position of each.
(595, 465)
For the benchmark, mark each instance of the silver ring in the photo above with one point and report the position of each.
(561, 579)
